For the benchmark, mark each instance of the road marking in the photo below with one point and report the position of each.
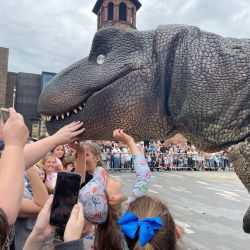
(180, 189)
(201, 182)
(152, 191)
(158, 186)
(228, 197)
(224, 192)
(231, 193)
(239, 190)
(216, 189)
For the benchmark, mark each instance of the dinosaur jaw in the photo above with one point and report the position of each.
(65, 115)
(77, 111)
(101, 115)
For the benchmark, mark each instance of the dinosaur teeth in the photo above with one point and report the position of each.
(48, 118)
(57, 117)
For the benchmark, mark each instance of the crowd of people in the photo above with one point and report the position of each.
(163, 156)
(104, 218)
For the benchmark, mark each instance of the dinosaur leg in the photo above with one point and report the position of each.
(240, 157)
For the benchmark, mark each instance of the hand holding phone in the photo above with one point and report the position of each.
(14, 130)
(65, 197)
(4, 114)
(75, 224)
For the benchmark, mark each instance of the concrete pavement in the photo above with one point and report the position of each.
(208, 205)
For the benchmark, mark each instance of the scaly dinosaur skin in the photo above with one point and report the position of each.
(154, 84)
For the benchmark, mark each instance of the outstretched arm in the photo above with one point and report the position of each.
(80, 164)
(35, 151)
(40, 196)
(141, 167)
(15, 135)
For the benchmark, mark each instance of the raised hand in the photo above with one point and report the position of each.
(121, 136)
(78, 147)
(68, 133)
(15, 132)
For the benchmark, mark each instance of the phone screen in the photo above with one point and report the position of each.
(4, 114)
(65, 197)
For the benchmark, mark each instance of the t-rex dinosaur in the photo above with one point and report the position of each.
(154, 84)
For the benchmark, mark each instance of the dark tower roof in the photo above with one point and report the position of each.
(99, 4)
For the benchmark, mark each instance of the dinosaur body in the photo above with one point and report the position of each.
(154, 84)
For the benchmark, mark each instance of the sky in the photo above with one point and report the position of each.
(50, 35)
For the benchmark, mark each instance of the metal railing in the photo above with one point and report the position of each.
(167, 162)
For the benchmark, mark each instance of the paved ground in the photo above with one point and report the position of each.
(208, 205)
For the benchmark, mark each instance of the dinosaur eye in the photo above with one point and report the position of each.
(100, 59)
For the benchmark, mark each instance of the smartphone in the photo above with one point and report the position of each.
(4, 114)
(65, 197)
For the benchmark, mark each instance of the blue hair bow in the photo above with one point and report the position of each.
(130, 223)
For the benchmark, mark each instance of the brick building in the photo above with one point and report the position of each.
(22, 90)
(118, 13)
(4, 54)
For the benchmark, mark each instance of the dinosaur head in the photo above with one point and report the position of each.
(114, 87)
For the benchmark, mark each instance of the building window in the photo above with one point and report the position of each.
(46, 77)
(110, 12)
(123, 12)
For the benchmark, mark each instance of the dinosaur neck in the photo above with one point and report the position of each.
(205, 90)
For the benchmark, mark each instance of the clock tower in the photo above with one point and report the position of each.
(119, 13)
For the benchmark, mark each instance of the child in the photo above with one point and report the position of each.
(59, 153)
(153, 225)
(107, 209)
(49, 165)
(102, 197)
